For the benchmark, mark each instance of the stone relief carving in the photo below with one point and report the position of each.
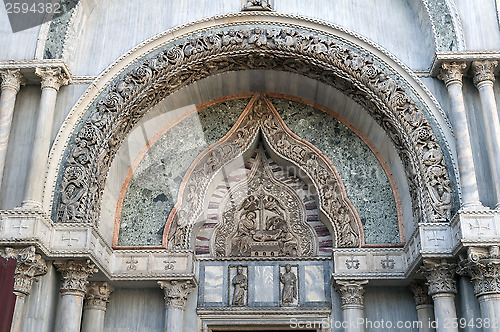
(30, 266)
(420, 292)
(289, 286)
(75, 275)
(239, 284)
(263, 217)
(11, 79)
(98, 295)
(257, 5)
(483, 266)
(287, 49)
(483, 71)
(351, 291)
(260, 116)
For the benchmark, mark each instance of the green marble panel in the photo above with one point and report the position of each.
(153, 189)
(366, 183)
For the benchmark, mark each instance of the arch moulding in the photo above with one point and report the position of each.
(95, 128)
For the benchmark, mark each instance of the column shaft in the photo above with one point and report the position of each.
(96, 301)
(70, 314)
(351, 294)
(52, 79)
(93, 320)
(425, 314)
(451, 74)
(484, 77)
(18, 312)
(176, 292)
(11, 83)
(173, 319)
(444, 311)
(73, 289)
(490, 307)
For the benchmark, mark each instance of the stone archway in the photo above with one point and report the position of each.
(260, 116)
(323, 58)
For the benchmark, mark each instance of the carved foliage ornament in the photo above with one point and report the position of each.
(75, 275)
(11, 79)
(483, 71)
(483, 266)
(260, 115)
(261, 216)
(98, 295)
(176, 291)
(440, 276)
(30, 266)
(420, 292)
(212, 52)
(351, 292)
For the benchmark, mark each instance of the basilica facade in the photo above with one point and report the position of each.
(236, 165)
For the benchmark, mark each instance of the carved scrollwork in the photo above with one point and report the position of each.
(97, 296)
(176, 291)
(351, 292)
(212, 52)
(75, 275)
(261, 116)
(440, 276)
(483, 266)
(30, 266)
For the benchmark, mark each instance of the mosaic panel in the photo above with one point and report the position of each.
(366, 183)
(152, 191)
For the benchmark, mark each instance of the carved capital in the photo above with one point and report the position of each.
(97, 295)
(75, 275)
(420, 292)
(11, 79)
(351, 292)
(440, 276)
(452, 72)
(176, 291)
(52, 77)
(29, 267)
(483, 71)
(259, 5)
(483, 266)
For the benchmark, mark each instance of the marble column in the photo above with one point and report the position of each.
(424, 306)
(176, 292)
(73, 289)
(52, 79)
(483, 266)
(29, 267)
(96, 299)
(351, 295)
(440, 276)
(11, 83)
(483, 76)
(451, 73)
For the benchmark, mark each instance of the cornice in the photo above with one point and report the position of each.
(468, 57)
(28, 67)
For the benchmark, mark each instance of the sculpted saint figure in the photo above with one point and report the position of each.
(289, 281)
(244, 235)
(240, 284)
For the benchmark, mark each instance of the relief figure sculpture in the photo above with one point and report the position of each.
(240, 284)
(289, 281)
(244, 235)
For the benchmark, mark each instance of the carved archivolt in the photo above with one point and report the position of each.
(260, 115)
(324, 59)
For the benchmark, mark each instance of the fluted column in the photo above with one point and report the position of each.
(96, 299)
(484, 77)
(425, 308)
(73, 289)
(176, 292)
(29, 267)
(440, 276)
(52, 79)
(11, 83)
(483, 266)
(351, 295)
(451, 73)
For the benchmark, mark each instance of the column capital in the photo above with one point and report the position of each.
(420, 292)
(351, 292)
(451, 72)
(30, 266)
(97, 295)
(52, 77)
(483, 266)
(483, 71)
(440, 276)
(75, 275)
(11, 79)
(176, 291)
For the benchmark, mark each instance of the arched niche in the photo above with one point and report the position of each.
(322, 58)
